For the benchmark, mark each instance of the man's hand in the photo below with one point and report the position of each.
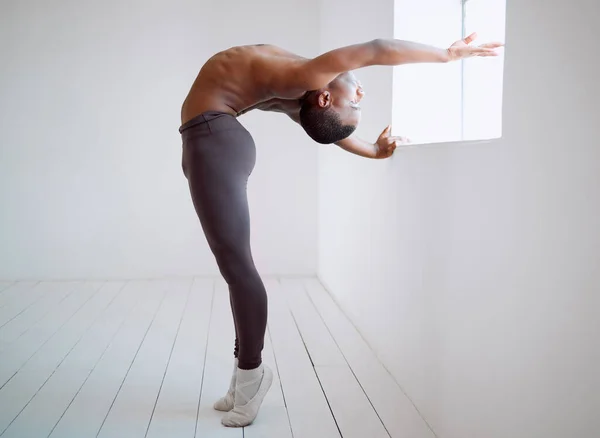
(386, 144)
(462, 49)
(383, 148)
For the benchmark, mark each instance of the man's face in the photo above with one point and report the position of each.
(347, 93)
(344, 94)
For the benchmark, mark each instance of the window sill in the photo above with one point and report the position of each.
(435, 144)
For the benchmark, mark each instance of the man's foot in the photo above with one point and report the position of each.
(251, 388)
(226, 403)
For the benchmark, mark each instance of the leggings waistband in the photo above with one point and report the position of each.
(205, 117)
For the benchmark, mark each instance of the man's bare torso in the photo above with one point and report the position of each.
(240, 79)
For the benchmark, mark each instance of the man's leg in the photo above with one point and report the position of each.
(218, 169)
(220, 199)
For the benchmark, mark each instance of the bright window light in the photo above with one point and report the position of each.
(458, 101)
(483, 81)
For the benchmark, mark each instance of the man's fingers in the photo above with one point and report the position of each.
(492, 45)
(483, 50)
(386, 132)
(470, 38)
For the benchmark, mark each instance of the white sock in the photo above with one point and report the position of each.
(226, 402)
(250, 390)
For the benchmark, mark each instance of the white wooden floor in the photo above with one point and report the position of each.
(149, 358)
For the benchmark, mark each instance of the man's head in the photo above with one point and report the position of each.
(332, 113)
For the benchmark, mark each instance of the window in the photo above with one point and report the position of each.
(452, 102)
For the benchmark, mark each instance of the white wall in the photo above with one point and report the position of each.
(472, 268)
(90, 176)
(346, 180)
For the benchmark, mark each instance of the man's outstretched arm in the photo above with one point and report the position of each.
(384, 147)
(320, 71)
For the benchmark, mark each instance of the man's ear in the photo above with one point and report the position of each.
(324, 99)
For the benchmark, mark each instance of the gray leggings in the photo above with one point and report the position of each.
(219, 155)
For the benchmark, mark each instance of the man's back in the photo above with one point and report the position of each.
(233, 80)
(322, 93)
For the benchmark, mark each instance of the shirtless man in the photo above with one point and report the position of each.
(323, 96)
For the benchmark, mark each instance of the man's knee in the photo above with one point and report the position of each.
(234, 262)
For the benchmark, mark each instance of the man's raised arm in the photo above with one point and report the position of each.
(320, 71)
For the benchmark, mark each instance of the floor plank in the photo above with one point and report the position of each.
(40, 415)
(309, 413)
(218, 367)
(397, 412)
(4, 285)
(353, 411)
(17, 299)
(132, 409)
(87, 412)
(19, 353)
(15, 290)
(351, 407)
(149, 359)
(39, 367)
(319, 343)
(177, 407)
(48, 302)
